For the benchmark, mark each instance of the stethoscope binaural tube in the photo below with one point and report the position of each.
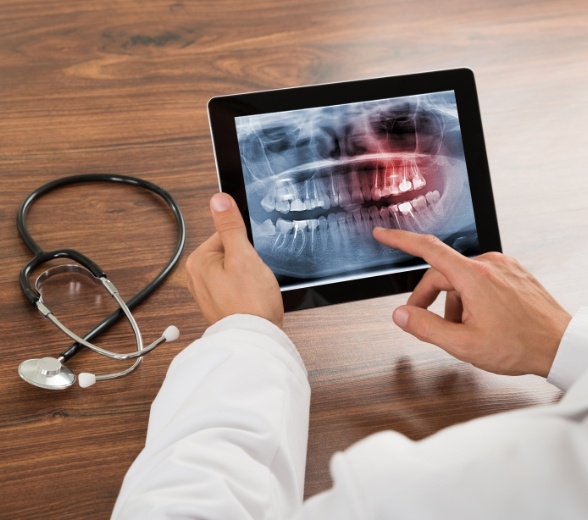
(45, 373)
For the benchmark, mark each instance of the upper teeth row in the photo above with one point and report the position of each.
(335, 190)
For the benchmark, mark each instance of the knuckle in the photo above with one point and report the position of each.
(431, 240)
(228, 225)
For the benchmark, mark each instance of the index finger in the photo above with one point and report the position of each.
(428, 247)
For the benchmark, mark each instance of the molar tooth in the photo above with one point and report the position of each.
(405, 208)
(404, 186)
(267, 228)
(283, 198)
(297, 205)
(283, 206)
(432, 197)
(268, 203)
(332, 221)
(312, 224)
(419, 203)
(301, 224)
(284, 226)
(344, 195)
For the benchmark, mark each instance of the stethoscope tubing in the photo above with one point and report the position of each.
(40, 256)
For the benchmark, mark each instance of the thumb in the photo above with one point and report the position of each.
(429, 327)
(228, 221)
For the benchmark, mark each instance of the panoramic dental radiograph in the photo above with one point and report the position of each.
(318, 180)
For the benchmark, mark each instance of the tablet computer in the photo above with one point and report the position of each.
(314, 169)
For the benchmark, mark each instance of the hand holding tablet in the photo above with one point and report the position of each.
(315, 169)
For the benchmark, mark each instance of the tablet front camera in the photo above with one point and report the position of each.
(319, 180)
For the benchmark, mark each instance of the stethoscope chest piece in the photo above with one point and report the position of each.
(46, 373)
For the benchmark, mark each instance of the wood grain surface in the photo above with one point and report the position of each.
(121, 86)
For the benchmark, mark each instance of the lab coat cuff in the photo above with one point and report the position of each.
(259, 325)
(571, 359)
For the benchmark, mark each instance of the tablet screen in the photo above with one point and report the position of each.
(318, 179)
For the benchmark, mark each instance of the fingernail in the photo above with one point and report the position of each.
(220, 202)
(400, 317)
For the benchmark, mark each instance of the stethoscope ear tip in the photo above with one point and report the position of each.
(85, 379)
(171, 333)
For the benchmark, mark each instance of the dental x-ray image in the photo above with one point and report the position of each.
(318, 180)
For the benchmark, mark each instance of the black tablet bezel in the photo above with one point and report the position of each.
(223, 110)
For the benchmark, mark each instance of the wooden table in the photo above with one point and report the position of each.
(122, 86)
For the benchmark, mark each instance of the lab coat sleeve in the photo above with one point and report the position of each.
(571, 359)
(227, 432)
(529, 463)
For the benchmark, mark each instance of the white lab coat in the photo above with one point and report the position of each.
(228, 431)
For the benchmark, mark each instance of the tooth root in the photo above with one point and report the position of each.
(375, 216)
(341, 191)
(385, 216)
(393, 210)
(298, 241)
(356, 194)
(312, 226)
(311, 197)
(417, 179)
(364, 221)
(364, 184)
(376, 192)
(333, 190)
(324, 201)
(386, 185)
(393, 178)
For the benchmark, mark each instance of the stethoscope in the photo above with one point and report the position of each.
(49, 372)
